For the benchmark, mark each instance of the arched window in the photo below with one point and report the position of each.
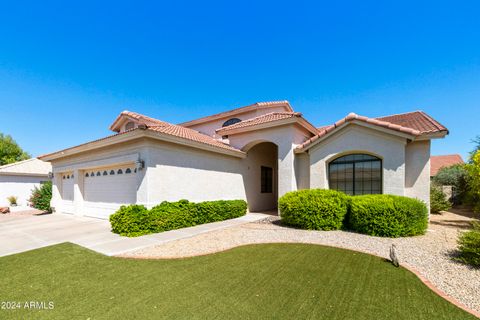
(129, 126)
(86, 175)
(356, 174)
(119, 171)
(112, 172)
(105, 173)
(128, 170)
(229, 122)
(92, 174)
(98, 174)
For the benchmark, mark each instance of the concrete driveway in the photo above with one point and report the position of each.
(20, 233)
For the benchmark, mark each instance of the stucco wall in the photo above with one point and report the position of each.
(175, 172)
(302, 170)
(210, 127)
(19, 186)
(286, 138)
(357, 139)
(417, 170)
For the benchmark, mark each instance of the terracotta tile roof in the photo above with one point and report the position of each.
(258, 105)
(265, 118)
(177, 131)
(414, 123)
(417, 120)
(162, 127)
(438, 162)
(191, 135)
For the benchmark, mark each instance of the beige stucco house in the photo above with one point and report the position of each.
(257, 153)
(20, 178)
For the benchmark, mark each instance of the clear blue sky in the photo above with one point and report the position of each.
(67, 70)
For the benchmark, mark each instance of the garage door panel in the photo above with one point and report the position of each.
(67, 187)
(112, 185)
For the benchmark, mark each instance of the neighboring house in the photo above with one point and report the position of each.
(439, 162)
(257, 153)
(20, 178)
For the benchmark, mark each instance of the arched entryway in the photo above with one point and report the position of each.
(261, 176)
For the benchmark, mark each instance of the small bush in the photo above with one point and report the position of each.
(12, 200)
(438, 200)
(469, 246)
(314, 209)
(132, 220)
(41, 197)
(388, 215)
(136, 220)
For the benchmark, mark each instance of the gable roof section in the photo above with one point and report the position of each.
(140, 118)
(230, 113)
(413, 124)
(417, 120)
(269, 119)
(29, 167)
(439, 162)
(155, 129)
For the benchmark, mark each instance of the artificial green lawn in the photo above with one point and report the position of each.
(268, 281)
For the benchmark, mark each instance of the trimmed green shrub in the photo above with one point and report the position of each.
(132, 220)
(438, 200)
(388, 215)
(469, 246)
(136, 220)
(314, 209)
(41, 197)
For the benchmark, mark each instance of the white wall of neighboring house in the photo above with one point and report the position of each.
(19, 186)
(358, 139)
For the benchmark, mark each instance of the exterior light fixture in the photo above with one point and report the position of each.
(140, 164)
(50, 175)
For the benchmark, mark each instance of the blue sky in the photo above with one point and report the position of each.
(67, 70)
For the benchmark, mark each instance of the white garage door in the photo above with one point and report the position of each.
(67, 186)
(67, 192)
(108, 188)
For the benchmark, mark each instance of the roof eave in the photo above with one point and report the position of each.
(294, 120)
(24, 174)
(434, 135)
(255, 106)
(124, 137)
(136, 134)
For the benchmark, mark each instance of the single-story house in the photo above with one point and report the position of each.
(20, 178)
(444, 161)
(257, 153)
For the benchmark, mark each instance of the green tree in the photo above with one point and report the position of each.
(10, 151)
(475, 141)
(474, 181)
(456, 176)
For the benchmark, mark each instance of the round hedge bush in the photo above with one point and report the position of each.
(387, 215)
(314, 209)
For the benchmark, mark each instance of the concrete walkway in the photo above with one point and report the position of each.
(26, 232)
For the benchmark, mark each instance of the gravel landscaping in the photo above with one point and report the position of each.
(430, 254)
